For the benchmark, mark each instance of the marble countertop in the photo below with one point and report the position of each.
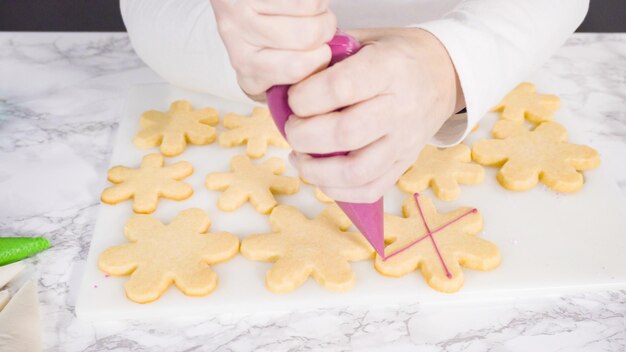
(60, 99)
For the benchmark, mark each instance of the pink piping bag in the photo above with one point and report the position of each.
(367, 217)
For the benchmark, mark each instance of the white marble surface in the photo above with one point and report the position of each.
(60, 97)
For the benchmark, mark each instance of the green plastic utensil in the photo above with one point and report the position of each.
(13, 249)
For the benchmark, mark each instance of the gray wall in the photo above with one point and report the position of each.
(103, 15)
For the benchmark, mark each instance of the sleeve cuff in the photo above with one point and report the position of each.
(452, 132)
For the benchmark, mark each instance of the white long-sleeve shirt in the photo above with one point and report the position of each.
(493, 44)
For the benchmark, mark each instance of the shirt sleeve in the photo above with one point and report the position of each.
(180, 42)
(495, 44)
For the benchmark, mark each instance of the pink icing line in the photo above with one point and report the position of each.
(430, 234)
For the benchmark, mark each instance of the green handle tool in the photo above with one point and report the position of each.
(13, 249)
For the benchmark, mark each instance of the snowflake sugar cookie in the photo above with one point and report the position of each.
(147, 183)
(436, 244)
(250, 182)
(174, 128)
(524, 102)
(301, 247)
(159, 255)
(257, 131)
(319, 195)
(443, 170)
(543, 154)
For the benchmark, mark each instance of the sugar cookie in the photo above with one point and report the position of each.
(505, 128)
(174, 128)
(257, 131)
(443, 170)
(301, 247)
(439, 244)
(319, 195)
(526, 157)
(147, 183)
(250, 182)
(523, 102)
(322, 197)
(159, 255)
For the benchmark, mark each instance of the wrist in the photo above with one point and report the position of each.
(438, 68)
(439, 81)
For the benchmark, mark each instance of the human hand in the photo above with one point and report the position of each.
(394, 95)
(271, 42)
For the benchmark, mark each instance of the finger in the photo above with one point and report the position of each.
(252, 86)
(372, 191)
(355, 79)
(349, 129)
(290, 7)
(287, 66)
(271, 67)
(355, 169)
(291, 33)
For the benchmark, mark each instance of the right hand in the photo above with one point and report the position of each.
(273, 42)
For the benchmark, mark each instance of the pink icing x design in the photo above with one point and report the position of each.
(430, 233)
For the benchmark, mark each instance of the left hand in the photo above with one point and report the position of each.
(394, 95)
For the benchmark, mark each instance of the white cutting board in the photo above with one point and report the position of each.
(550, 243)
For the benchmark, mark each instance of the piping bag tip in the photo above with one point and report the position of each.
(368, 218)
